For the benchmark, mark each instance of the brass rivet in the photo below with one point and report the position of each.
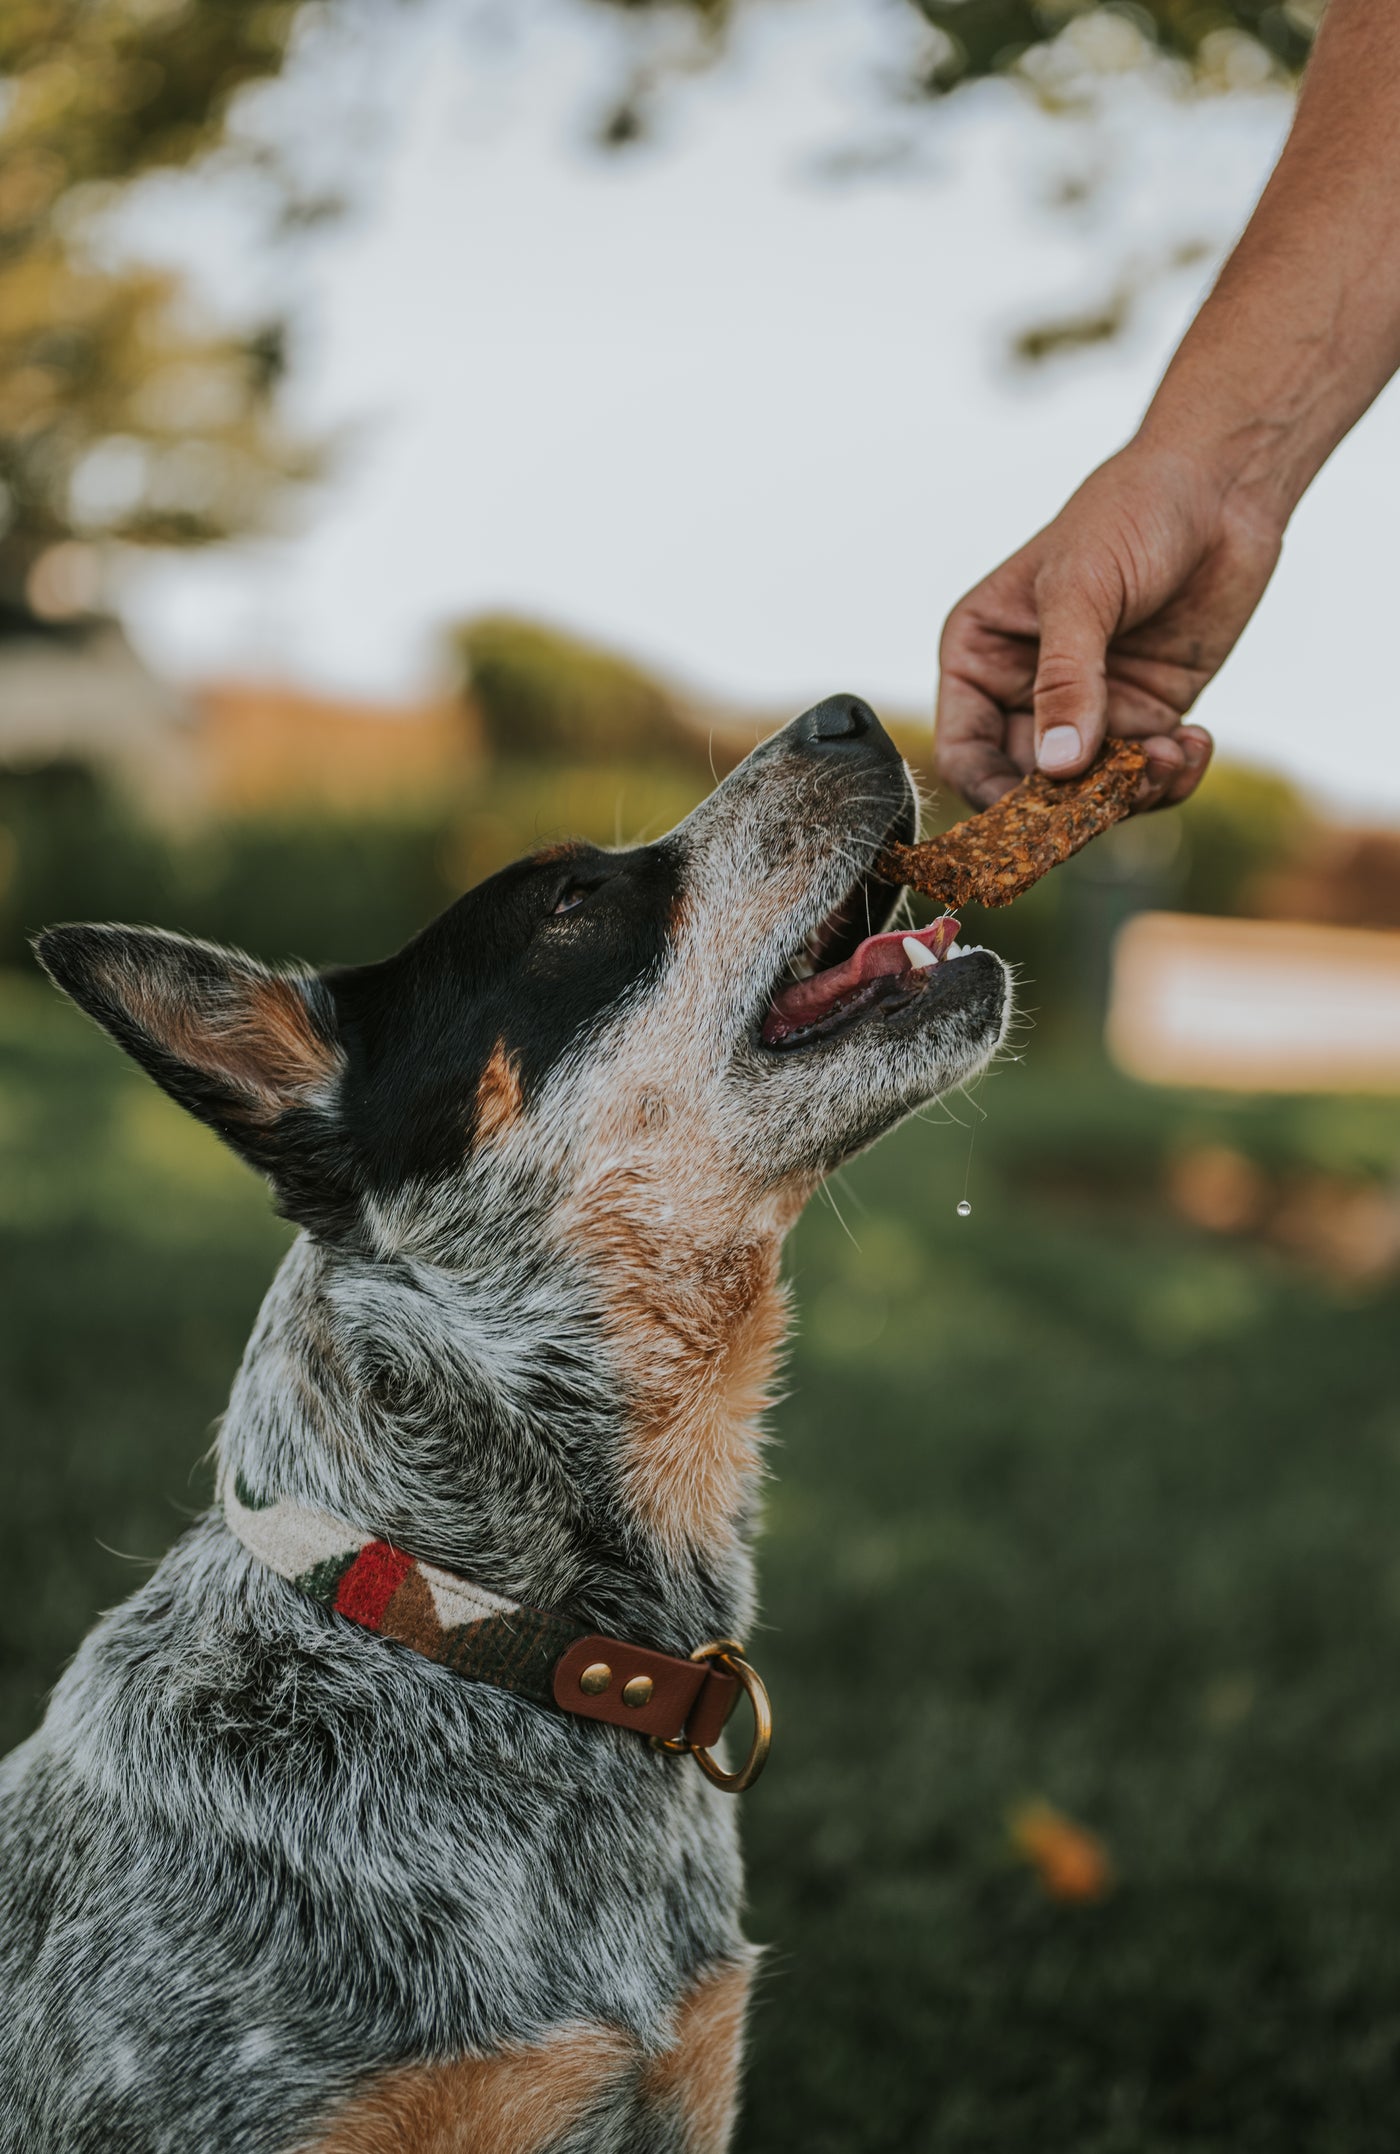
(638, 1691)
(595, 1679)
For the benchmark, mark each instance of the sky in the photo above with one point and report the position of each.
(737, 400)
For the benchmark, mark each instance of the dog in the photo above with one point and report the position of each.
(337, 1836)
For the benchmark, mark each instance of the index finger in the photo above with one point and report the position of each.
(969, 746)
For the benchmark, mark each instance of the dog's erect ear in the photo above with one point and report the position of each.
(243, 1048)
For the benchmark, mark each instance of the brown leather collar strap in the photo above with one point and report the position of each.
(629, 1686)
(481, 1635)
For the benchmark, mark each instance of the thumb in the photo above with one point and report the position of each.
(1071, 683)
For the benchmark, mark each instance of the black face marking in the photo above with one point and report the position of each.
(379, 1083)
(527, 964)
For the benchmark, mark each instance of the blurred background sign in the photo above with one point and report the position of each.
(1256, 1005)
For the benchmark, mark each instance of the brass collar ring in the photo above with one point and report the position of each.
(728, 1652)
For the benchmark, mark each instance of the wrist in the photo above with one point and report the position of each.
(1259, 397)
(1257, 460)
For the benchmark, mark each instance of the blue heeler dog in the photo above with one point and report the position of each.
(368, 1824)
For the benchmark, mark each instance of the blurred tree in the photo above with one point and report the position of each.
(1068, 55)
(1247, 828)
(544, 694)
(121, 415)
(1058, 49)
(125, 417)
(1225, 43)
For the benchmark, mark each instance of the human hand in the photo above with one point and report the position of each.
(1111, 620)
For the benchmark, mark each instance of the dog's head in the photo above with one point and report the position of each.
(728, 1005)
(615, 1076)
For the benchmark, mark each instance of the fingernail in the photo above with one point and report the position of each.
(1193, 749)
(1058, 748)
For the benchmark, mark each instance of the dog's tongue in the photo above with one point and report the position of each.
(804, 1001)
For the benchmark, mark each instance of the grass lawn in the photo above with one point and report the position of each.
(1072, 1503)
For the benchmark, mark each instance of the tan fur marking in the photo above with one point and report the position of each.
(700, 2076)
(697, 1334)
(262, 1039)
(498, 1096)
(517, 2102)
(286, 1052)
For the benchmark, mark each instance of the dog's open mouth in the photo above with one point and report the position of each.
(841, 974)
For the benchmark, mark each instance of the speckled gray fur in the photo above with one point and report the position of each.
(255, 1855)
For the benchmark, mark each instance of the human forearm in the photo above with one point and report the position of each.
(1117, 614)
(1302, 330)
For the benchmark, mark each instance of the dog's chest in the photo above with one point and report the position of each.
(310, 1858)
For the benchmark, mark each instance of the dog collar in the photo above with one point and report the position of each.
(536, 1653)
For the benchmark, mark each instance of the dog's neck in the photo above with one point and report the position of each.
(590, 1451)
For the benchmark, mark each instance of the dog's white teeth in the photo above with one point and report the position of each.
(955, 949)
(801, 966)
(919, 954)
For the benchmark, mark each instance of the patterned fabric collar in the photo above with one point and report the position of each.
(536, 1653)
(376, 1585)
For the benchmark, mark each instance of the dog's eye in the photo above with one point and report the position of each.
(572, 899)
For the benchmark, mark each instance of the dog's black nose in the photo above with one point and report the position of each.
(838, 719)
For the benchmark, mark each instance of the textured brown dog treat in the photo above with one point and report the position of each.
(991, 858)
